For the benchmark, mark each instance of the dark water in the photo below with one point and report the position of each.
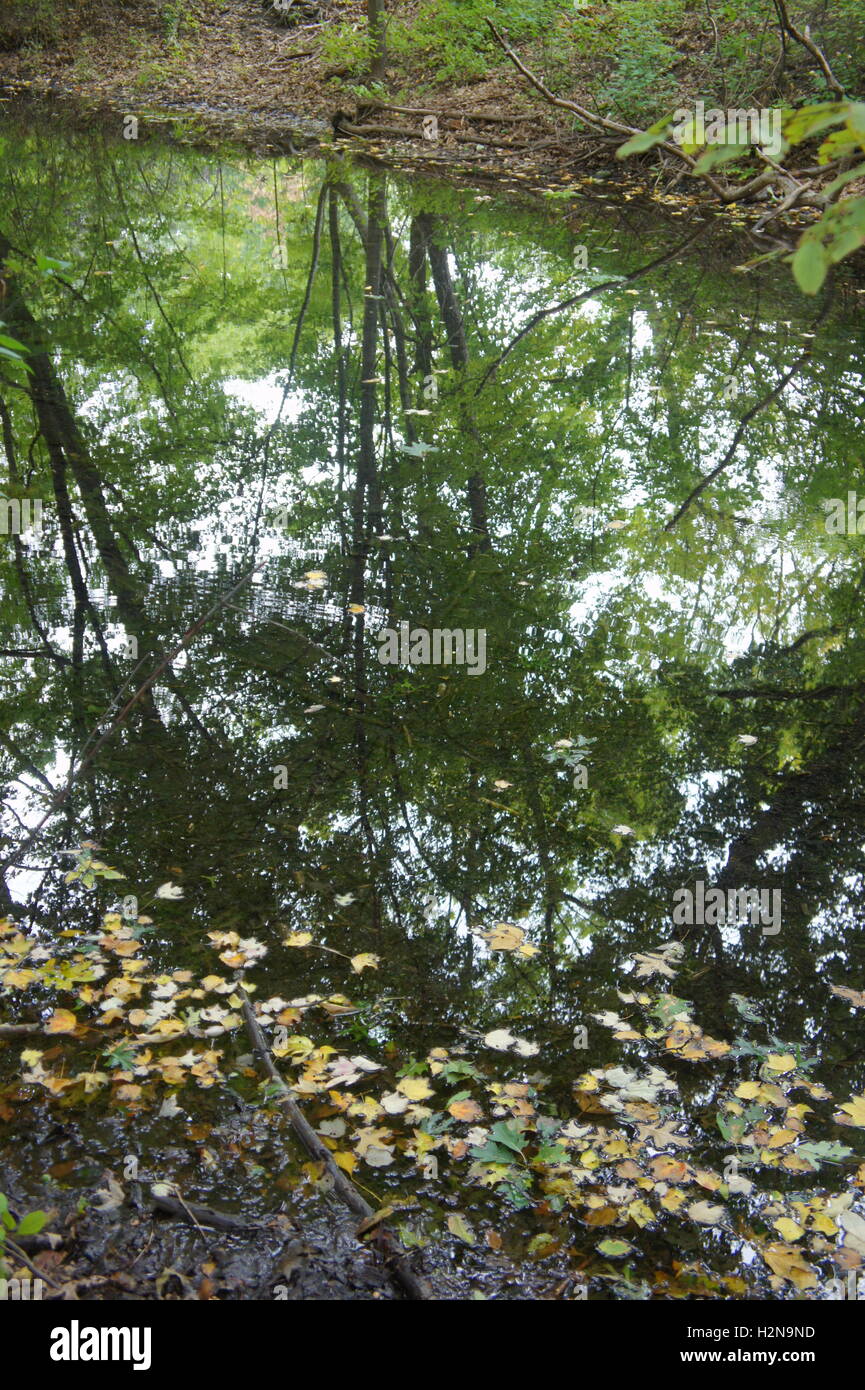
(310, 403)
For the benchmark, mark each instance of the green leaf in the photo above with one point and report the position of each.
(718, 154)
(47, 265)
(614, 1249)
(824, 1152)
(511, 1138)
(747, 1008)
(30, 1224)
(807, 121)
(843, 179)
(638, 143)
(13, 343)
(810, 264)
(491, 1153)
(458, 1226)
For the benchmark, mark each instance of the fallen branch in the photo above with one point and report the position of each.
(406, 133)
(19, 1030)
(396, 1261)
(787, 26)
(201, 1216)
(491, 116)
(728, 193)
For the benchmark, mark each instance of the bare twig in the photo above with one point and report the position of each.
(397, 1263)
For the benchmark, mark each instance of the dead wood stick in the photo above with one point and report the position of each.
(406, 133)
(455, 115)
(397, 1263)
(728, 193)
(201, 1216)
(19, 1254)
(808, 43)
(19, 1030)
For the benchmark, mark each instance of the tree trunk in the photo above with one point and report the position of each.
(377, 27)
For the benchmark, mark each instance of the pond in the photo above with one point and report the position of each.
(444, 609)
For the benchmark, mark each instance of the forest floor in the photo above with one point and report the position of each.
(206, 71)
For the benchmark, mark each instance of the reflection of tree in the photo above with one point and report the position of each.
(466, 517)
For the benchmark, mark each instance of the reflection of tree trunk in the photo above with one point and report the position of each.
(459, 353)
(367, 489)
(417, 273)
(65, 447)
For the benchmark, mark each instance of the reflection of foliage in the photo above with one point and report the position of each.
(709, 676)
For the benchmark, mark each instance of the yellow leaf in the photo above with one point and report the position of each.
(297, 938)
(295, 1046)
(504, 937)
(130, 1092)
(365, 961)
(458, 1226)
(19, 979)
(781, 1062)
(61, 1021)
(780, 1137)
(415, 1088)
(346, 1161)
(465, 1110)
(789, 1262)
(825, 1224)
(747, 1090)
(57, 1084)
(856, 1110)
(788, 1229)
(640, 1212)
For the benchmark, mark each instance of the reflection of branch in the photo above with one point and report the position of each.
(768, 692)
(747, 418)
(62, 793)
(584, 295)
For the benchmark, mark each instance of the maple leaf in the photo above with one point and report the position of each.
(790, 1264)
(365, 961)
(61, 1021)
(856, 1110)
(415, 1088)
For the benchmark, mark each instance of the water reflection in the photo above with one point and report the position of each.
(274, 411)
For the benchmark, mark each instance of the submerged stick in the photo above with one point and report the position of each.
(397, 1263)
